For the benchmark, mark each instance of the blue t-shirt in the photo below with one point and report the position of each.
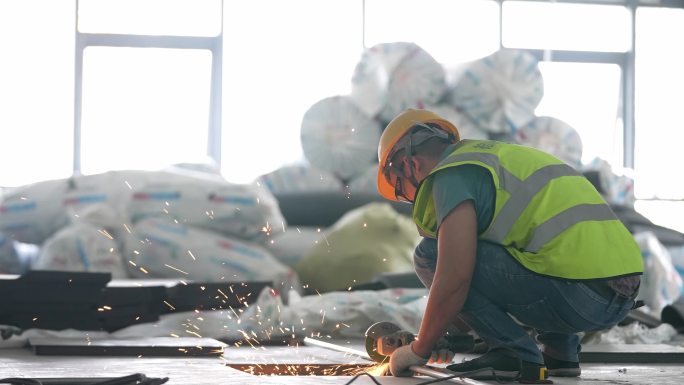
(451, 187)
(454, 185)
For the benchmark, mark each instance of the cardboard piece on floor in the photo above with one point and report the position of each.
(632, 353)
(146, 347)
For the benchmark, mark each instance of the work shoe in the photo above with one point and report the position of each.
(496, 365)
(560, 368)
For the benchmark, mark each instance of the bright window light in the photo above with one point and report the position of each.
(144, 108)
(586, 97)
(36, 90)
(451, 31)
(276, 65)
(659, 118)
(663, 213)
(151, 17)
(552, 25)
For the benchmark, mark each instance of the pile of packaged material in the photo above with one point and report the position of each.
(490, 98)
(180, 224)
(493, 97)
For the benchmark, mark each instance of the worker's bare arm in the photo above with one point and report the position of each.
(457, 242)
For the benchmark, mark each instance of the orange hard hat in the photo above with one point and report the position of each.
(395, 130)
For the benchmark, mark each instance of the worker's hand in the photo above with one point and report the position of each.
(403, 358)
(441, 356)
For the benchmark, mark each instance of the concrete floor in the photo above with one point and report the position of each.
(205, 371)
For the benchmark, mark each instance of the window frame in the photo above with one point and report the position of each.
(212, 43)
(625, 60)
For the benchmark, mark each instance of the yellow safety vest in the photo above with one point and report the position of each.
(547, 215)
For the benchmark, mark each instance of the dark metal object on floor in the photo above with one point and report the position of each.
(133, 379)
(146, 347)
(632, 354)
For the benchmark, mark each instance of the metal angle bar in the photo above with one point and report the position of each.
(423, 370)
(327, 345)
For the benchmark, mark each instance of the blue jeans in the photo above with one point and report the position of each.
(502, 288)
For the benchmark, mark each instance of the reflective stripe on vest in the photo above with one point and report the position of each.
(562, 221)
(521, 194)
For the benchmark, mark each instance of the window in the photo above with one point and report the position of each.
(36, 90)
(659, 120)
(277, 65)
(143, 108)
(452, 32)
(150, 17)
(580, 27)
(585, 96)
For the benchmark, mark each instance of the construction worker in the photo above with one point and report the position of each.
(514, 240)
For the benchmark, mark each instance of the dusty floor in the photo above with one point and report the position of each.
(204, 371)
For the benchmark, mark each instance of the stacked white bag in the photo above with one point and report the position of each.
(82, 247)
(244, 211)
(86, 223)
(31, 213)
(162, 249)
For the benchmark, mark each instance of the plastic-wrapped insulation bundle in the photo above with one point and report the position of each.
(499, 92)
(394, 76)
(553, 136)
(366, 182)
(338, 137)
(298, 178)
(466, 128)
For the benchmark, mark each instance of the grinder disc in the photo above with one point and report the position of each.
(375, 331)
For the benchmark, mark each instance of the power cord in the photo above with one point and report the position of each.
(356, 377)
(496, 378)
(436, 380)
(140, 379)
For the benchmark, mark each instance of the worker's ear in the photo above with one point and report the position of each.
(421, 165)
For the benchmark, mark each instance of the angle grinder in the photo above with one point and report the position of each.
(383, 338)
